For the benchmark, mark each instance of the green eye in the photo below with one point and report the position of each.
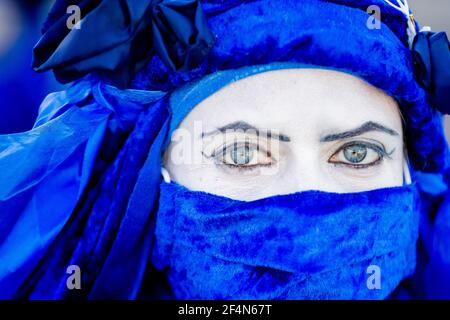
(355, 153)
(241, 155)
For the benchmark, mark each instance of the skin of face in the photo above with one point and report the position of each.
(287, 131)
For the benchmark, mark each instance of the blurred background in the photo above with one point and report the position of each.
(22, 90)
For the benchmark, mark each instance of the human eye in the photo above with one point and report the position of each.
(359, 154)
(243, 156)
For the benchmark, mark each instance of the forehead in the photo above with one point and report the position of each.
(316, 99)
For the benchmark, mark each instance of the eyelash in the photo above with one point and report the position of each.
(380, 149)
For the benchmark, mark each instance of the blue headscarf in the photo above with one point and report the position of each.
(82, 187)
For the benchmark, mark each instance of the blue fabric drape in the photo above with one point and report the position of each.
(132, 30)
(82, 187)
(45, 174)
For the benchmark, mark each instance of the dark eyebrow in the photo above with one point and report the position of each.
(366, 127)
(244, 126)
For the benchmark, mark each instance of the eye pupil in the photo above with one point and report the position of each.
(241, 155)
(355, 154)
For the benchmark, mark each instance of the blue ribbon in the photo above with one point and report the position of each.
(118, 37)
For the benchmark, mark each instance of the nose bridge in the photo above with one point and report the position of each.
(307, 169)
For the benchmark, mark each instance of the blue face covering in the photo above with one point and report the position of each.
(306, 245)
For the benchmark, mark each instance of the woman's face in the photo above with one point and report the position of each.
(286, 131)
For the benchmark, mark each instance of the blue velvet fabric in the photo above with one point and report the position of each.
(83, 186)
(306, 245)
